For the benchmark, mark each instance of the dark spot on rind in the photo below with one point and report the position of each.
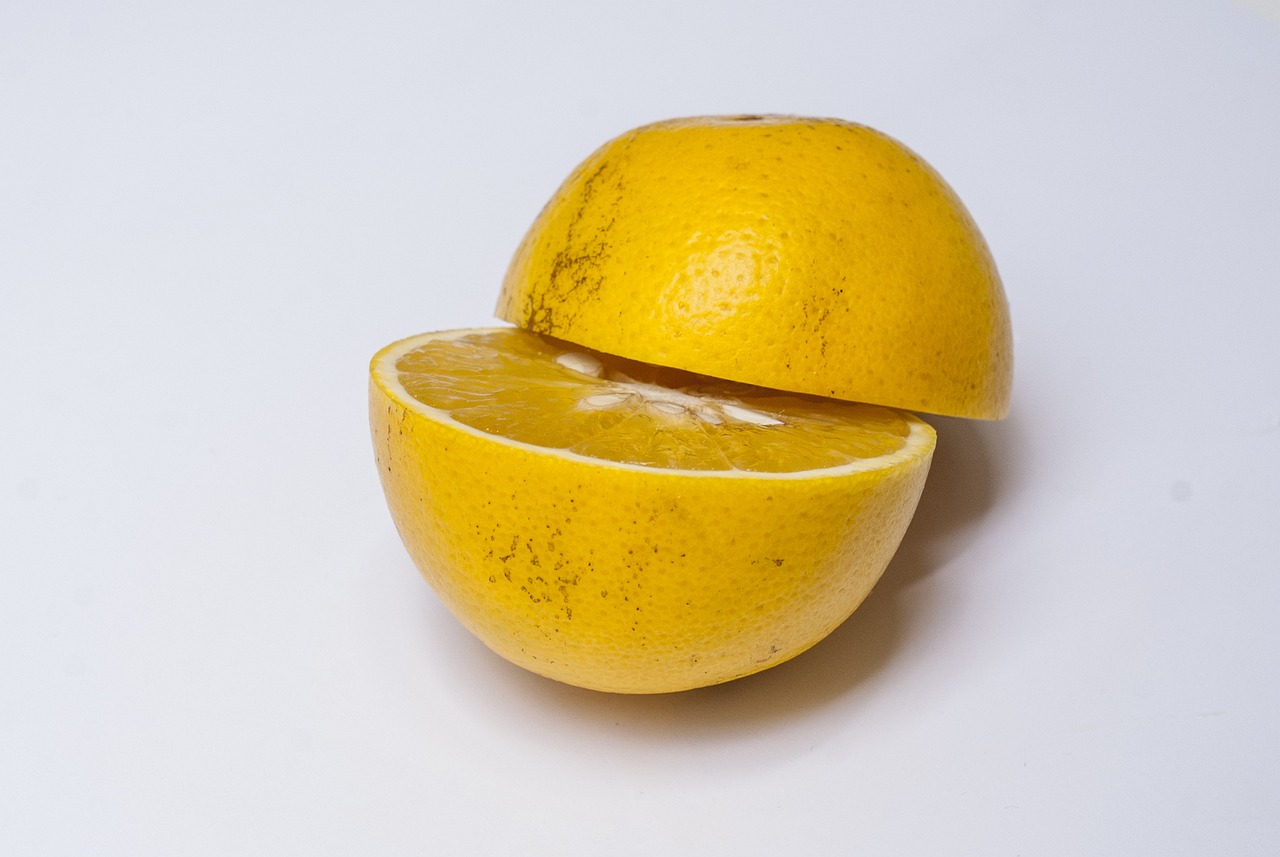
(575, 267)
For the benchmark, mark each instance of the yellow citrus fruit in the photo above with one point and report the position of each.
(812, 255)
(630, 528)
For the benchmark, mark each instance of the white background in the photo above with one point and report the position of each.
(211, 641)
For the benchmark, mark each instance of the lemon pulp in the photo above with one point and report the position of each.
(535, 390)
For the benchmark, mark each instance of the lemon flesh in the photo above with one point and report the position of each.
(628, 528)
(812, 255)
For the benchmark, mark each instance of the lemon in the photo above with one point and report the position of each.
(813, 255)
(714, 499)
(631, 528)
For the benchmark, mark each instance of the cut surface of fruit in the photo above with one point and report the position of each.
(558, 396)
(811, 255)
(631, 528)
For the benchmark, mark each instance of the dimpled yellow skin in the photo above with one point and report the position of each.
(631, 579)
(811, 255)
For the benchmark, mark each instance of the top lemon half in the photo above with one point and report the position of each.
(809, 255)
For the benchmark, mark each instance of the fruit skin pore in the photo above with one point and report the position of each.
(810, 255)
(630, 579)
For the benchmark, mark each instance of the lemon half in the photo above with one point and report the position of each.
(629, 528)
(814, 255)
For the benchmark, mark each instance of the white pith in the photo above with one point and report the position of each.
(621, 392)
(584, 364)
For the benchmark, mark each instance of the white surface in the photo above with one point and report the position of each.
(211, 641)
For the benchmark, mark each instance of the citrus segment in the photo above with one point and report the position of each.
(811, 255)
(630, 528)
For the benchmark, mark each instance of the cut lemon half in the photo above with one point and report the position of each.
(631, 528)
